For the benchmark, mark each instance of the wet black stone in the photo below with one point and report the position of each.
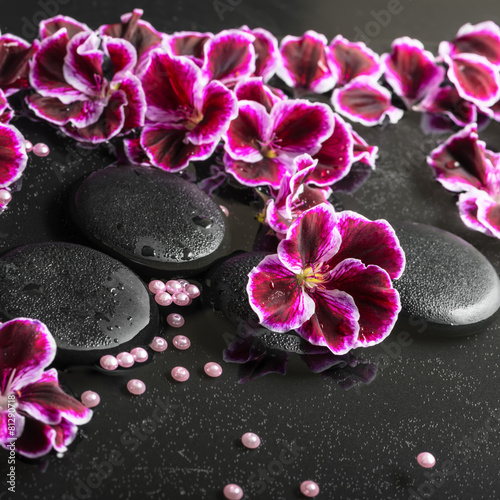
(446, 281)
(91, 303)
(151, 219)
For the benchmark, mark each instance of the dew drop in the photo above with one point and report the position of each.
(148, 251)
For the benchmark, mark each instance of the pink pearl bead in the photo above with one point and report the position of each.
(159, 344)
(180, 299)
(41, 149)
(174, 286)
(136, 386)
(426, 460)
(193, 291)
(109, 362)
(5, 197)
(250, 440)
(184, 283)
(157, 286)
(163, 299)
(233, 492)
(90, 399)
(175, 320)
(309, 489)
(29, 146)
(181, 342)
(140, 355)
(213, 369)
(225, 211)
(125, 359)
(180, 374)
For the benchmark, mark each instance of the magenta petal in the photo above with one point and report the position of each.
(468, 209)
(365, 101)
(353, 59)
(166, 147)
(311, 240)
(475, 78)
(304, 63)
(135, 153)
(488, 214)
(267, 55)
(253, 89)
(15, 54)
(229, 56)
(121, 53)
(377, 302)
(10, 431)
(190, 44)
(50, 26)
(411, 71)
(13, 157)
(372, 242)
(36, 440)
(334, 323)
(362, 151)
(27, 347)
(135, 109)
(276, 297)
(53, 110)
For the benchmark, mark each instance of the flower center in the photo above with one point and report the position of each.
(268, 152)
(314, 275)
(193, 120)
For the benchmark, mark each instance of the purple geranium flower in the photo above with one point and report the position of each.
(331, 280)
(44, 416)
(261, 145)
(186, 114)
(13, 157)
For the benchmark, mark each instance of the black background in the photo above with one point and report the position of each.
(430, 395)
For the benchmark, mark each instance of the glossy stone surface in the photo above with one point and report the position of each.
(92, 304)
(151, 218)
(446, 280)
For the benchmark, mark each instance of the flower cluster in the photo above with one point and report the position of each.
(34, 411)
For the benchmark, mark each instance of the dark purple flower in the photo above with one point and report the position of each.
(261, 146)
(186, 115)
(13, 157)
(45, 416)
(304, 63)
(352, 59)
(411, 71)
(190, 44)
(331, 280)
(267, 55)
(363, 100)
(253, 89)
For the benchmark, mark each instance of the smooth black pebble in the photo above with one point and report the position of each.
(447, 281)
(153, 220)
(92, 304)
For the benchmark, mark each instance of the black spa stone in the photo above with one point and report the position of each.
(447, 281)
(91, 303)
(152, 219)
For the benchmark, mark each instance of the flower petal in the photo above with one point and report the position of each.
(488, 214)
(411, 71)
(10, 431)
(377, 302)
(121, 53)
(312, 239)
(13, 156)
(27, 347)
(275, 296)
(468, 210)
(267, 55)
(362, 151)
(189, 44)
(135, 109)
(135, 153)
(253, 89)
(334, 323)
(36, 440)
(372, 242)
(52, 25)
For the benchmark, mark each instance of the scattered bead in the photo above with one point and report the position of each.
(5, 197)
(309, 489)
(125, 359)
(250, 440)
(136, 386)
(192, 291)
(157, 286)
(90, 399)
(426, 460)
(173, 286)
(233, 492)
(163, 299)
(181, 342)
(175, 320)
(213, 369)
(140, 355)
(109, 362)
(159, 344)
(180, 374)
(225, 211)
(180, 299)
(183, 282)
(41, 149)
(29, 146)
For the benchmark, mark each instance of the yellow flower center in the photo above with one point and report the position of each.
(313, 276)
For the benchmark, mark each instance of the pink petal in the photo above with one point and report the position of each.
(253, 89)
(135, 153)
(166, 147)
(27, 347)
(488, 214)
(65, 433)
(121, 53)
(311, 240)
(50, 26)
(6, 112)
(304, 63)
(13, 157)
(475, 78)
(275, 296)
(362, 151)
(371, 242)
(468, 210)
(135, 109)
(267, 55)
(334, 323)
(190, 44)
(377, 302)
(229, 56)
(353, 59)
(411, 71)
